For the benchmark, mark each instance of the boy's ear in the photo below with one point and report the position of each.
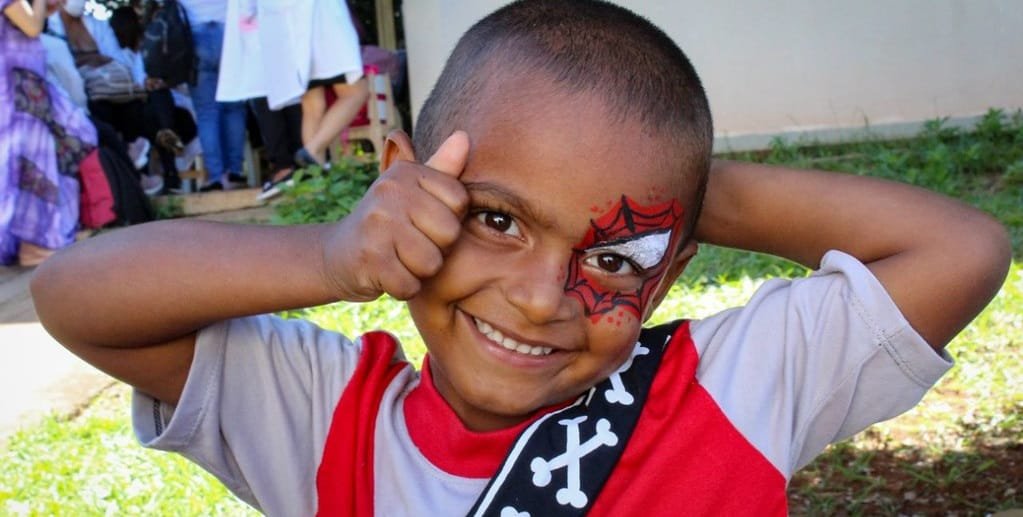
(398, 146)
(677, 266)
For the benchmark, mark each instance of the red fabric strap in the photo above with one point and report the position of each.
(345, 479)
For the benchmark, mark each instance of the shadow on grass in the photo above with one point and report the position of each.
(897, 479)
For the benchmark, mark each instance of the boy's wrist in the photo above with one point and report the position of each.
(335, 243)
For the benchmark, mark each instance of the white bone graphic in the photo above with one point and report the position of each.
(618, 394)
(508, 511)
(574, 451)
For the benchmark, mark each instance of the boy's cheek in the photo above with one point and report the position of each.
(612, 338)
(609, 305)
(616, 321)
(634, 227)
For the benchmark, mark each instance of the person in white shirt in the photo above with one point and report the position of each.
(221, 124)
(60, 69)
(294, 52)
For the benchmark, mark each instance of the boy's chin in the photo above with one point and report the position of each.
(502, 414)
(492, 420)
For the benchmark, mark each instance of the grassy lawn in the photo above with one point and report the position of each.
(959, 452)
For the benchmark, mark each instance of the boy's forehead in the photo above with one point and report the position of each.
(528, 130)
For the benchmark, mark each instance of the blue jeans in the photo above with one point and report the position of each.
(221, 125)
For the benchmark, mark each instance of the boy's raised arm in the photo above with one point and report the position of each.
(940, 260)
(130, 302)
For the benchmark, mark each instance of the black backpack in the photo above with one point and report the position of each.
(168, 51)
(131, 205)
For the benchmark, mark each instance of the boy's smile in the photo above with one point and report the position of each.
(569, 240)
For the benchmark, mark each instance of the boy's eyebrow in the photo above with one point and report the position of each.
(516, 202)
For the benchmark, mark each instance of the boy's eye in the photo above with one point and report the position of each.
(611, 263)
(503, 223)
(630, 256)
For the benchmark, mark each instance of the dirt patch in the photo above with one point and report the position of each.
(883, 476)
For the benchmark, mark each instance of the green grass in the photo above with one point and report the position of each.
(92, 465)
(958, 451)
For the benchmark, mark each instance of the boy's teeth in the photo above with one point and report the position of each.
(509, 343)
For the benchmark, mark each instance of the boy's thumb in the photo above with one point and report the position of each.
(450, 157)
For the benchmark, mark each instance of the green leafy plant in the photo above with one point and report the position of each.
(324, 195)
(168, 207)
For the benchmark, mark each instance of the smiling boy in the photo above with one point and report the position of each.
(569, 150)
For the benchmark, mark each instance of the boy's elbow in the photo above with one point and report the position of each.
(45, 286)
(39, 285)
(990, 247)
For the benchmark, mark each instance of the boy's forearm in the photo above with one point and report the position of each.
(801, 214)
(939, 259)
(150, 283)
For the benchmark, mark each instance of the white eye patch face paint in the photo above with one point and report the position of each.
(646, 250)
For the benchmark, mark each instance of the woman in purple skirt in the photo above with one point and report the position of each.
(43, 138)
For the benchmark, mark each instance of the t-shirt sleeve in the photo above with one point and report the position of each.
(256, 407)
(814, 360)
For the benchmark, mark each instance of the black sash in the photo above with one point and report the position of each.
(559, 464)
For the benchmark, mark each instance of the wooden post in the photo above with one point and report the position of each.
(386, 37)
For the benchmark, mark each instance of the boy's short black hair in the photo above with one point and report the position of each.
(586, 46)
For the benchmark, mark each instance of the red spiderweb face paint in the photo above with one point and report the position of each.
(643, 235)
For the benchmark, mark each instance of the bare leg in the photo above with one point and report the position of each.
(350, 99)
(281, 174)
(313, 106)
(31, 255)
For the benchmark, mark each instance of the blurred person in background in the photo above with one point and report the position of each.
(61, 70)
(305, 48)
(166, 113)
(148, 111)
(221, 124)
(43, 138)
(244, 77)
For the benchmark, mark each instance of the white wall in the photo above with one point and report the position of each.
(797, 66)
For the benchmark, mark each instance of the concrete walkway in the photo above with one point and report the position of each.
(38, 376)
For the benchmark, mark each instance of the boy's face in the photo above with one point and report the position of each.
(566, 248)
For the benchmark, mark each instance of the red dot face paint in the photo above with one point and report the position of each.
(643, 235)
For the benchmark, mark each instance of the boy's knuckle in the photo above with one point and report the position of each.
(370, 256)
(377, 218)
(388, 187)
(432, 263)
(460, 199)
(404, 288)
(447, 234)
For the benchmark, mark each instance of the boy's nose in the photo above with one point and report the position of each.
(538, 292)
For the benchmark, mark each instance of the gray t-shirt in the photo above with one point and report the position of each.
(804, 363)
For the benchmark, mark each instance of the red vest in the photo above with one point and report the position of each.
(684, 458)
